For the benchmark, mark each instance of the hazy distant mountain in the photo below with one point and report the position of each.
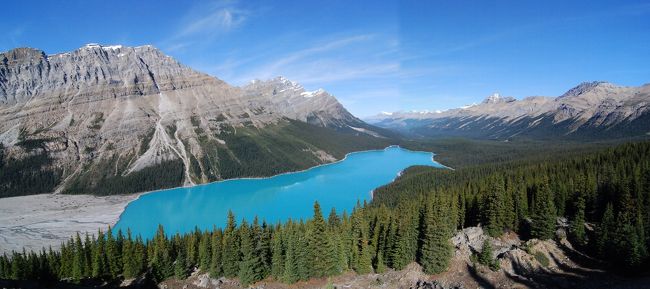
(104, 119)
(590, 110)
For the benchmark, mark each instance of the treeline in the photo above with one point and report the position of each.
(102, 180)
(609, 189)
(367, 240)
(27, 176)
(461, 153)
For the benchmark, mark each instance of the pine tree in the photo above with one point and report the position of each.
(333, 219)
(606, 228)
(231, 255)
(78, 259)
(577, 228)
(277, 257)
(162, 262)
(192, 248)
(404, 244)
(205, 250)
(113, 255)
(322, 258)
(290, 274)
(180, 265)
(494, 211)
(380, 265)
(626, 239)
(250, 264)
(128, 258)
(485, 257)
(87, 270)
(215, 262)
(262, 237)
(543, 218)
(435, 251)
(140, 255)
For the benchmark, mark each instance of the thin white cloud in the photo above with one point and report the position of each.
(322, 62)
(203, 23)
(220, 20)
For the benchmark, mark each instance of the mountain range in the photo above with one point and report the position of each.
(591, 110)
(117, 119)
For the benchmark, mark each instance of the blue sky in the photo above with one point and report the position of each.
(372, 55)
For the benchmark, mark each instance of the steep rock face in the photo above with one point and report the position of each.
(113, 112)
(292, 100)
(592, 110)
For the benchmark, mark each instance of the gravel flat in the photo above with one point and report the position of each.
(46, 220)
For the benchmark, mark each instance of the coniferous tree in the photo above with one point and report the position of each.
(129, 259)
(231, 255)
(162, 262)
(404, 243)
(113, 254)
(78, 259)
(435, 251)
(543, 218)
(626, 239)
(262, 237)
(180, 265)
(277, 258)
(577, 228)
(333, 219)
(485, 257)
(251, 265)
(290, 274)
(321, 257)
(494, 211)
(216, 257)
(301, 251)
(192, 247)
(604, 232)
(205, 251)
(140, 253)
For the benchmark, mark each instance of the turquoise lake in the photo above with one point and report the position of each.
(277, 198)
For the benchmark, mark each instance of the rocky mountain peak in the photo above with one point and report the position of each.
(20, 55)
(586, 87)
(497, 98)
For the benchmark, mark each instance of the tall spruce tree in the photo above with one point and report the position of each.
(180, 265)
(290, 274)
(216, 269)
(543, 218)
(250, 266)
(277, 257)
(577, 228)
(205, 251)
(494, 211)
(322, 253)
(231, 254)
(435, 251)
(129, 259)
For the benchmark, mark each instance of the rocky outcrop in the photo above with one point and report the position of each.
(127, 109)
(593, 109)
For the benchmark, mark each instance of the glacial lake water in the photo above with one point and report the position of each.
(277, 198)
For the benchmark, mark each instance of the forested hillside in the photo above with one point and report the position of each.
(288, 145)
(609, 189)
(605, 195)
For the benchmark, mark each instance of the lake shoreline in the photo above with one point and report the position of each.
(40, 221)
(285, 173)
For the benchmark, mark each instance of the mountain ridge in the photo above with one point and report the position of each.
(117, 114)
(590, 110)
